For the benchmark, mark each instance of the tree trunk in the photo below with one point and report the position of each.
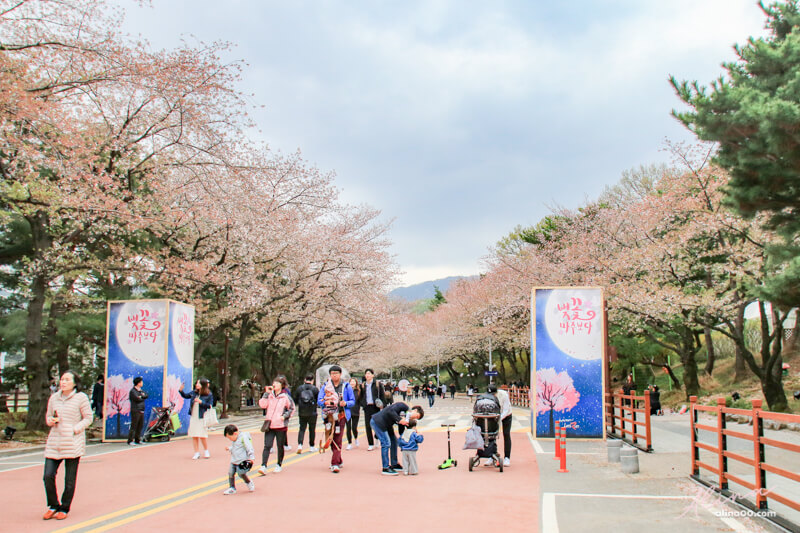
(690, 381)
(37, 370)
(710, 352)
(774, 393)
(739, 367)
(552, 430)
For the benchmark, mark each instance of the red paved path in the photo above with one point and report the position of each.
(300, 498)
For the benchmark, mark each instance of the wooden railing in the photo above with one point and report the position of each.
(519, 396)
(16, 400)
(755, 458)
(632, 428)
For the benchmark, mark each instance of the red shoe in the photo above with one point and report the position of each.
(61, 515)
(50, 513)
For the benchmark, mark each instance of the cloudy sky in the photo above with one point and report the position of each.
(461, 119)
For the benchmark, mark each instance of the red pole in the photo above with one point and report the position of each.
(563, 468)
(558, 448)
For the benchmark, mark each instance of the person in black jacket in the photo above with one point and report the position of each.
(98, 396)
(137, 397)
(305, 398)
(383, 425)
(371, 402)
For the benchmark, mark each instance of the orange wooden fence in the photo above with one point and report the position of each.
(755, 458)
(623, 423)
(519, 396)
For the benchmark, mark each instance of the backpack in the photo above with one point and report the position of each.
(307, 398)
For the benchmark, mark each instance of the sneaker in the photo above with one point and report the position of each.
(389, 472)
(299, 450)
(251, 486)
(370, 448)
(349, 447)
(396, 466)
(335, 469)
(277, 469)
(356, 443)
(196, 455)
(50, 513)
(131, 444)
(313, 449)
(229, 491)
(506, 462)
(263, 470)
(207, 455)
(287, 448)
(488, 462)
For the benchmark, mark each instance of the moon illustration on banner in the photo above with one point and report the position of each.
(580, 344)
(140, 332)
(182, 333)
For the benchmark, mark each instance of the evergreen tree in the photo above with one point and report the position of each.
(754, 115)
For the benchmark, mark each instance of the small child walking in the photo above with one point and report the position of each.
(242, 457)
(409, 448)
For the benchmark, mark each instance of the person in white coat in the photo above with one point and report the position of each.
(69, 413)
(505, 419)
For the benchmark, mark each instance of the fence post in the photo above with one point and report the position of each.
(722, 444)
(16, 399)
(634, 405)
(648, 435)
(758, 457)
(621, 415)
(695, 451)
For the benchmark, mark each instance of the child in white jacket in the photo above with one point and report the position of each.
(242, 457)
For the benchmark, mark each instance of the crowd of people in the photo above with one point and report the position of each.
(340, 402)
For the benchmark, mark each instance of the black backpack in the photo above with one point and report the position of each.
(307, 398)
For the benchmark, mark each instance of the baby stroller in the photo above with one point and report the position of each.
(162, 425)
(486, 415)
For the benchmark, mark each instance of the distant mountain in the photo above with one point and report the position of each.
(423, 290)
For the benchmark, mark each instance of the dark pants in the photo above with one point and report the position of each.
(137, 421)
(369, 411)
(352, 428)
(311, 422)
(336, 447)
(452, 395)
(270, 437)
(70, 476)
(507, 437)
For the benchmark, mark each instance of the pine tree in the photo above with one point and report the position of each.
(754, 115)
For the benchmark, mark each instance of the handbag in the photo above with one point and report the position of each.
(210, 419)
(265, 426)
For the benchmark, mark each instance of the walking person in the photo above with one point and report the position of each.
(279, 408)
(136, 396)
(452, 391)
(371, 403)
(416, 390)
(355, 413)
(383, 424)
(347, 400)
(430, 391)
(201, 400)
(242, 457)
(68, 415)
(505, 419)
(98, 396)
(305, 397)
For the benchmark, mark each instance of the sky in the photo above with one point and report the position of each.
(461, 119)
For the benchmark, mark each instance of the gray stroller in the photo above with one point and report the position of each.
(486, 415)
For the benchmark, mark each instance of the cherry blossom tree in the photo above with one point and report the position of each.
(554, 392)
(118, 401)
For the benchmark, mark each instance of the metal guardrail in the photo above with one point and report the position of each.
(755, 458)
(628, 406)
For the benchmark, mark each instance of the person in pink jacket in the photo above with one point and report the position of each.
(68, 415)
(279, 407)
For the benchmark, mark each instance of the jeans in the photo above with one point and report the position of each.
(388, 442)
(507, 437)
(137, 421)
(352, 428)
(311, 422)
(431, 399)
(279, 438)
(232, 471)
(369, 412)
(70, 476)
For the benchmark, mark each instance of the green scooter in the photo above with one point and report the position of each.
(449, 462)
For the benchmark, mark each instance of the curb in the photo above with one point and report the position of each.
(21, 451)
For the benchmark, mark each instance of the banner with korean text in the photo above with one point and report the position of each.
(153, 339)
(568, 338)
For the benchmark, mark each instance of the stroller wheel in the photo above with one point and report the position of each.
(165, 438)
(471, 464)
(455, 463)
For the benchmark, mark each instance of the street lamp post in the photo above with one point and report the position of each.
(491, 377)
